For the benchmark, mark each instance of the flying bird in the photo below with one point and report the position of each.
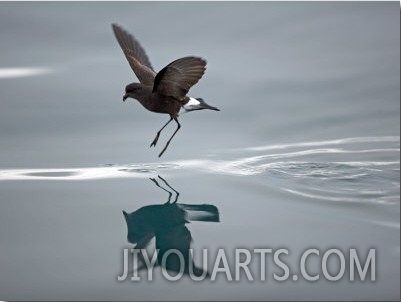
(165, 91)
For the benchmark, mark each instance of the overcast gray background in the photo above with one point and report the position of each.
(304, 154)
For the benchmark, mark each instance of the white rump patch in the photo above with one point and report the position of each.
(192, 104)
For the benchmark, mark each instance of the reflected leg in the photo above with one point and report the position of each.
(177, 194)
(157, 184)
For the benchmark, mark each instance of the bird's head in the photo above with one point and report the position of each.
(133, 90)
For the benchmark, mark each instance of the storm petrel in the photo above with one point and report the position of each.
(165, 91)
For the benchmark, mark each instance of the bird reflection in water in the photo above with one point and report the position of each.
(167, 223)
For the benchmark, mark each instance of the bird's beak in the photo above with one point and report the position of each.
(125, 97)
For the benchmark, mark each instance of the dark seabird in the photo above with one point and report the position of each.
(165, 91)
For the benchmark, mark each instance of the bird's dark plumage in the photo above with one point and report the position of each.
(165, 91)
(135, 55)
(179, 76)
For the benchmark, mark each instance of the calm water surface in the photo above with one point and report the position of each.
(304, 154)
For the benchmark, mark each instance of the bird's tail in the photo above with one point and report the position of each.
(198, 104)
(206, 106)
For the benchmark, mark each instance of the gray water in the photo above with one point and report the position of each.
(305, 152)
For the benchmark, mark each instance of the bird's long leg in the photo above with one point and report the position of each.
(168, 142)
(176, 193)
(158, 133)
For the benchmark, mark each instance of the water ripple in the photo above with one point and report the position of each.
(18, 72)
(359, 169)
(342, 141)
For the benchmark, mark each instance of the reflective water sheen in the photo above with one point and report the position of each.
(304, 154)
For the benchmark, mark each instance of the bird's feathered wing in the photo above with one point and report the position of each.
(135, 55)
(179, 76)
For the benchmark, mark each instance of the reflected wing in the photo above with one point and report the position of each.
(135, 55)
(179, 76)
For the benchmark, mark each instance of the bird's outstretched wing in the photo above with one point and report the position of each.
(135, 55)
(179, 76)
